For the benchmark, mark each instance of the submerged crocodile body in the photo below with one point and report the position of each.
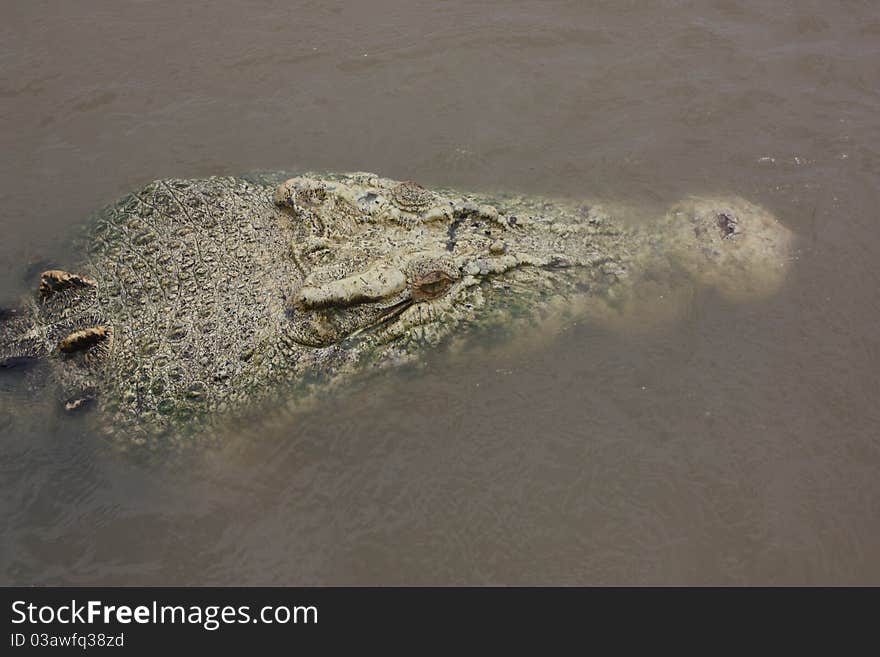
(191, 299)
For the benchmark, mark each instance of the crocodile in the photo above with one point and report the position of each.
(193, 300)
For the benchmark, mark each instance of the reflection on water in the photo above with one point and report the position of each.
(736, 444)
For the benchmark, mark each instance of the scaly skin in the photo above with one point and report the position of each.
(194, 299)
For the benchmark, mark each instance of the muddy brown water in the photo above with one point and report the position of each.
(738, 445)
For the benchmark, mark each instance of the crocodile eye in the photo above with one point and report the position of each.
(431, 286)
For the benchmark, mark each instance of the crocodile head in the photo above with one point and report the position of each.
(392, 268)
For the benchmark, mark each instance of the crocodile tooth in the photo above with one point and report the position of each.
(78, 404)
(86, 339)
(56, 280)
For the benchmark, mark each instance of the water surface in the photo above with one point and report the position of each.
(736, 445)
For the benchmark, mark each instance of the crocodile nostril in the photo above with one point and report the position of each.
(728, 224)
